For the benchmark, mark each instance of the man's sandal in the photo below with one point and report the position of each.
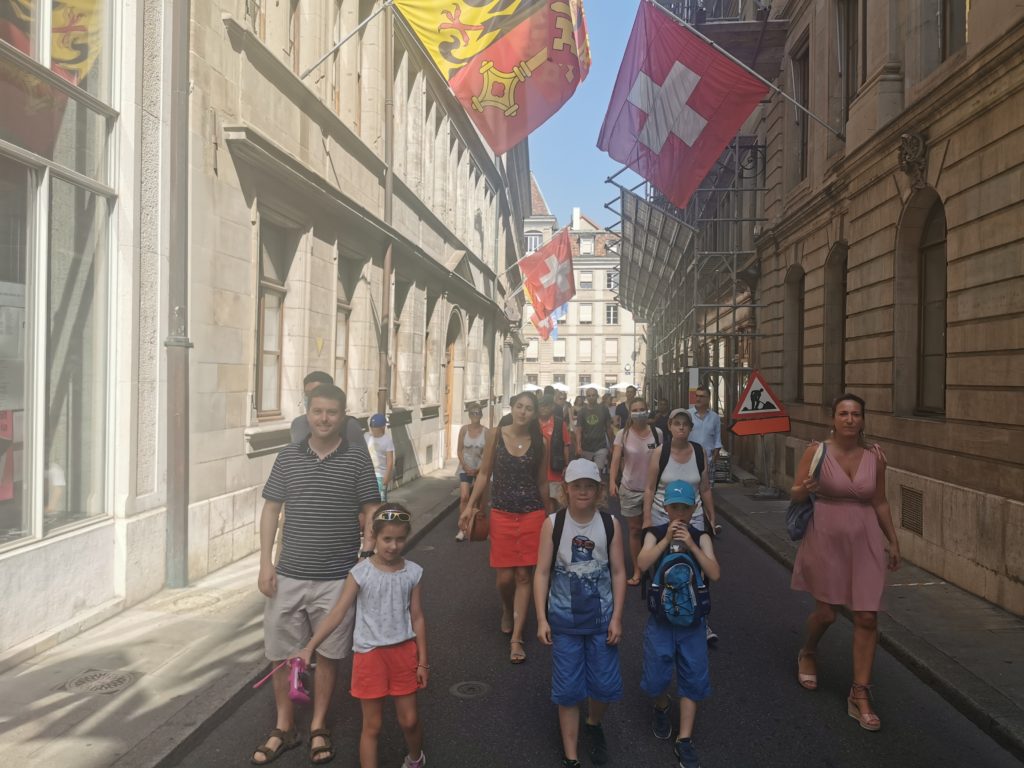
(289, 740)
(324, 753)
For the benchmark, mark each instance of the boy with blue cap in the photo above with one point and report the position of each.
(668, 645)
(382, 452)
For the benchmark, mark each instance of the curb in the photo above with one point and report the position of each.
(963, 690)
(168, 752)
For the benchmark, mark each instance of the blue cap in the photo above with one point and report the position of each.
(378, 420)
(680, 492)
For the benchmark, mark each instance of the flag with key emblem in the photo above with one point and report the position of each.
(677, 103)
(547, 273)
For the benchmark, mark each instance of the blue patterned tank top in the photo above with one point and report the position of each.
(514, 480)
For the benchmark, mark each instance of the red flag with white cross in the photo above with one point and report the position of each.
(547, 273)
(677, 103)
(544, 323)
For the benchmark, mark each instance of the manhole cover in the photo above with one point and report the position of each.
(195, 602)
(103, 681)
(470, 689)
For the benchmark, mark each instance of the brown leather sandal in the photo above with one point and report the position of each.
(289, 740)
(315, 753)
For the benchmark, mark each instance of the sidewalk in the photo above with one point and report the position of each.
(967, 649)
(128, 691)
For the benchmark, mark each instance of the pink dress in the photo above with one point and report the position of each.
(842, 559)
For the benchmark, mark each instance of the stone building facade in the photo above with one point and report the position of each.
(892, 264)
(598, 342)
(288, 231)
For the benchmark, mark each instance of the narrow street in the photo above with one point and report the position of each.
(758, 715)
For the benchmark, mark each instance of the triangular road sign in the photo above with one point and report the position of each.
(758, 401)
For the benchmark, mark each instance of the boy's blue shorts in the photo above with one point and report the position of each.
(685, 648)
(584, 666)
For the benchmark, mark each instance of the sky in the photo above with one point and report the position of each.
(570, 169)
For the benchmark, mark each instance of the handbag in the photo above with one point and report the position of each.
(479, 526)
(799, 513)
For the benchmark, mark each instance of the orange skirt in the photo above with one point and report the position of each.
(515, 537)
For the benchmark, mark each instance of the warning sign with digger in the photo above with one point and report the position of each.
(759, 411)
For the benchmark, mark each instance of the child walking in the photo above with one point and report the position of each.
(389, 639)
(578, 588)
(669, 645)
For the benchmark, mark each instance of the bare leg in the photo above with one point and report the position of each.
(865, 641)
(595, 711)
(323, 687)
(523, 595)
(569, 724)
(505, 578)
(821, 618)
(635, 535)
(372, 713)
(285, 709)
(687, 715)
(412, 727)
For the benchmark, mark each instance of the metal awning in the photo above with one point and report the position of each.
(652, 248)
(761, 45)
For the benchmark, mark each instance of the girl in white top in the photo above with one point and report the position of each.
(631, 451)
(682, 465)
(389, 640)
(470, 450)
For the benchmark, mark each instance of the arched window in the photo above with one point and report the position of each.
(919, 376)
(834, 352)
(793, 336)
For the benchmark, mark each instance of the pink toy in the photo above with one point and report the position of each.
(297, 692)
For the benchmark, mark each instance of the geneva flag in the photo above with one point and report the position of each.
(511, 63)
(677, 103)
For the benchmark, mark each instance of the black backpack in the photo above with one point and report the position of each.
(556, 534)
(666, 454)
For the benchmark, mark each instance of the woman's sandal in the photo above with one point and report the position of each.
(633, 581)
(327, 748)
(807, 682)
(517, 657)
(289, 740)
(869, 721)
(506, 623)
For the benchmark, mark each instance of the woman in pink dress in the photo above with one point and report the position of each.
(842, 558)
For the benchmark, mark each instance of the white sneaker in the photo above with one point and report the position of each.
(418, 763)
(460, 536)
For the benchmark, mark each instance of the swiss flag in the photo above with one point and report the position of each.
(677, 103)
(544, 323)
(547, 273)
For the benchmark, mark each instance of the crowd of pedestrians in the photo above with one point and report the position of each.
(540, 479)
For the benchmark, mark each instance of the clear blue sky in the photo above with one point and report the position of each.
(564, 157)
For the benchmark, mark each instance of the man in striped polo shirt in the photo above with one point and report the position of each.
(328, 488)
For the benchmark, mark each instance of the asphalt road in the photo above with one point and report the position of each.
(481, 711)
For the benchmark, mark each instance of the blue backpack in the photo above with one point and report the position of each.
(678, 591)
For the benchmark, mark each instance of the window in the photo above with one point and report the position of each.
(611, 314)
(533, 241)
(931, 346)
(558, 378)
(793, 336)
(584, 352)
(609, 382)
(341, 346)
(833, 378)
(558, 351)
(801, 91)
(611, 280)
(532, 349)
(586, 246)
(584, 380)
(954, 26)
(531, 378)
(852, 49)
(586, 281)
(586, 313)
(276, 251)
(611, 350)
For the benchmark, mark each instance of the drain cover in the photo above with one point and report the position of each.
(102, 681)
(470, 689)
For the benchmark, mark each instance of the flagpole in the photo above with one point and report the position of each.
(749, 69)
(520, 261)
(345, 39)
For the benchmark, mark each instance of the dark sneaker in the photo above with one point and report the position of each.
(567, 763)
(662, 724)
(712, 636)
(598, 745)
(686, 754)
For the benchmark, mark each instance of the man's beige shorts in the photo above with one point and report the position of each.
(291, 615)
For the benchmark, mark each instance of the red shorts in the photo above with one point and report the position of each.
(514, 537)
(386, 671)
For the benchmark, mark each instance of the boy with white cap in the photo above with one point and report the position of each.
(382, 452)
(579, 587)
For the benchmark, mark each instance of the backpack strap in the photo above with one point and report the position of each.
(609, 533)
(666, 454)
(556, 535)
(657, 435)
(698, 451)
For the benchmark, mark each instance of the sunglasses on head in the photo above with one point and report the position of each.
(390, 515)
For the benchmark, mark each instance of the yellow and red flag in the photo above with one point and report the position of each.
(511, 63)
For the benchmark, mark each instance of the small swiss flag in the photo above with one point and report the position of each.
(548, 273)
(544, 323)
(677, 103)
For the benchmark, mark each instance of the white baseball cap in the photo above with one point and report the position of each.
(582, 469)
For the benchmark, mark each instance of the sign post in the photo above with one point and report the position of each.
(759, 412)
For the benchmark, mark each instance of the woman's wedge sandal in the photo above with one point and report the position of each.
(289, 740)
(869, 721)
(807, 682)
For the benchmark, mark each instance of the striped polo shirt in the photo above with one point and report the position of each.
(322, 500)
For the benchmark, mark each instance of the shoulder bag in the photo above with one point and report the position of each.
(799, 514)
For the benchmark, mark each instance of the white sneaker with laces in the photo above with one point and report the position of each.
(419, 762)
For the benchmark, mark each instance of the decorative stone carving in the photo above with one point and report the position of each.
(914, 158)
